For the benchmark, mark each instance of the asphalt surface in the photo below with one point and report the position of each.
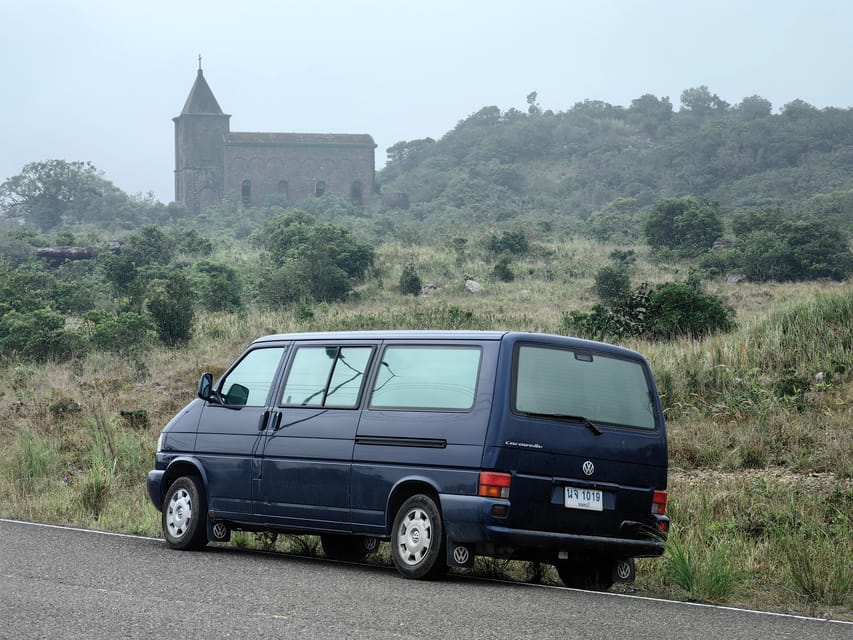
(66, 583)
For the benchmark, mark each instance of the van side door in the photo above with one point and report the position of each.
(307, 451)
(229, 431)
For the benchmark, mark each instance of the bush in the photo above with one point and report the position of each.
(149, 245)
(123, 333)
(171, 307)
(38, 335)
(319, 261)
(612, 283)
(410, 281)
(514, 242)
(677, 309)
(667, 311)
(684, 225)
(502, 270)
(219, 286)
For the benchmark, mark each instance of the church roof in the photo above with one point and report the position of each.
(299, 139)
(201, 99)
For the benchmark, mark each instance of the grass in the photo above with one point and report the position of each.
(761, 482)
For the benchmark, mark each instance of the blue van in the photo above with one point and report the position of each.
(446, 444)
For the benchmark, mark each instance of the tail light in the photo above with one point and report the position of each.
(494, 485)
(659, 503)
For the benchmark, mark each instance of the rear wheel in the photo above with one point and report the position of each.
(593, 574)
(184, 517)
(418, 547)
(350, 548)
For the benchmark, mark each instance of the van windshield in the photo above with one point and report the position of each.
(557, 382)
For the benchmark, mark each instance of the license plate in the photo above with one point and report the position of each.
(588, 499)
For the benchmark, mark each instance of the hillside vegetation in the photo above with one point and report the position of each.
(714, 239)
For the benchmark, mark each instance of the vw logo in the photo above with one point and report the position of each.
(623, 569)
(220, 531)
(460, 555)
(588, 468)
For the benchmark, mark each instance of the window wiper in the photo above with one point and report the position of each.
(562, 416)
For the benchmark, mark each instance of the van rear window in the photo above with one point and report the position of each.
(600, 388)
(426, 377)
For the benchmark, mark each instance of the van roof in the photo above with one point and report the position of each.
(444, 334)
(395, 334)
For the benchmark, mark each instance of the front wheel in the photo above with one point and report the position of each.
(418, 546)
(184, 518)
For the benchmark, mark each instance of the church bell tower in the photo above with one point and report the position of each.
(200, 132)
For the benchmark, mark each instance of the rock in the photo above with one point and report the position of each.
(473, 286)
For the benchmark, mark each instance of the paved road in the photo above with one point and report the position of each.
(63, 583)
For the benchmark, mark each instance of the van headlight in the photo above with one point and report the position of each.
(160, 442)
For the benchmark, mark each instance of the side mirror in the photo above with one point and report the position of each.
(204, 386)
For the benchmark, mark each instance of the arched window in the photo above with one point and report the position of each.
(355, 192)
(319, 188)
(246, 192)
(283, 188)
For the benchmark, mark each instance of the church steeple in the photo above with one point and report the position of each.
(201, 98)
(200, 132)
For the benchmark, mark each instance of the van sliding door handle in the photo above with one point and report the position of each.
(262, 423)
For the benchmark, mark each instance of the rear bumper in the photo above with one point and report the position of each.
(504, 536)
(469, 520)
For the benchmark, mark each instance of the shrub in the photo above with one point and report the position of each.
(149, 245)
(219, 286)
(684, 225)
(171, 307)
(410, 281)
(38, 335)
(677, 309)
(514, 242)
(667, 311)
(321, 261)
(502, 270)
(122, 333)
(612, 283)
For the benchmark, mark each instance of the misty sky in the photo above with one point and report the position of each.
(101, 80)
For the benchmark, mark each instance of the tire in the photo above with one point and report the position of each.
(418, 547)
(185, 514)
(349, 548)
(589, 574)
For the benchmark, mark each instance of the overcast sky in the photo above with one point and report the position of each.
(101, 80)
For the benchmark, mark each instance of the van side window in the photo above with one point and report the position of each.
(426, 378)
(326, 377)
(581, 383)
(248, 384)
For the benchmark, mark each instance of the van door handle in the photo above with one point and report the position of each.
(276, 423)
(262, 423)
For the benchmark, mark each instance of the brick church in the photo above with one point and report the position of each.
(212, 162)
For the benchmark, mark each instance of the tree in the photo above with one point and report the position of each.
(48, 193)
(754, 107)
(650, 113)
(701, 101)
(685, 225)
(316, 261)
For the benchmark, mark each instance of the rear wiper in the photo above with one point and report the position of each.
(562, 416)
